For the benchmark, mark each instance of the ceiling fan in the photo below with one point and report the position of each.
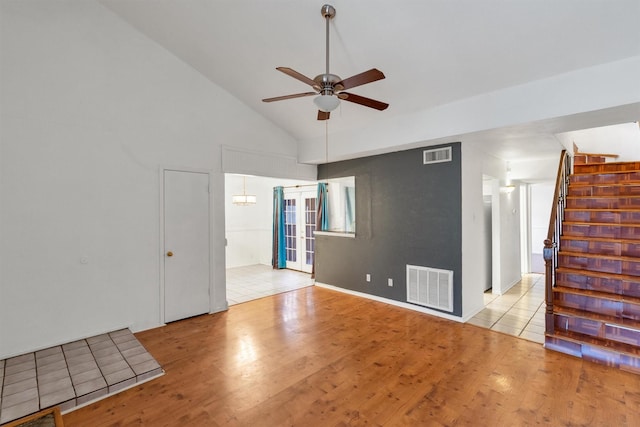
(330, 88)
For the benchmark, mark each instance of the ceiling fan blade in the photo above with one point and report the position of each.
(295, 95)
(296, 75)
(323, 115)
(360, 79)
(367, 102)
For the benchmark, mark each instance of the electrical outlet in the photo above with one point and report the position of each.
(368, 277)
(390, 282)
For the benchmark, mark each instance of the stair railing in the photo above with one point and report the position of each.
(552, 242)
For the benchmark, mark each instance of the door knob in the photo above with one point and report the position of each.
(169, 253)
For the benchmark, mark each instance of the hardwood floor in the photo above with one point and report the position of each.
(316, 357)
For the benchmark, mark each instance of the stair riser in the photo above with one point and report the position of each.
(607, 231)
(606, 178)
(603, 203)
(606, 167)
(604, 190)
(593, 304)
(594, 354)
(600, 284)
(601, 248)
(584, 160)
(602, 265)
(597, 328)
(602, 216)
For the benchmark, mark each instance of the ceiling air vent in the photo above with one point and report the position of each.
(437, 155)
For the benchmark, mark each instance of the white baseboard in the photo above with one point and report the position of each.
(394, 302)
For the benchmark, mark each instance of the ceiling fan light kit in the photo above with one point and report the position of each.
(326, 103)
(329, 88)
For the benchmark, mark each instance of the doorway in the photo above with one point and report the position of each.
(488, 241)
(186, 258)
(249, 239)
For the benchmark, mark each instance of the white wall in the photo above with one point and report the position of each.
(473, 232)
(506, 229)
(510, 268)
(540, 206)
(91, 110)
(247, 228)
(621, 139)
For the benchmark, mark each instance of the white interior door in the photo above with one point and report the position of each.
(299, 224)
(186, 244)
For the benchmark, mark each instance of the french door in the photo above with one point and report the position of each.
(299, 225)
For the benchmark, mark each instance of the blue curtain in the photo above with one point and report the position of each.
(279, 254)
(322, 219)
(349, 204)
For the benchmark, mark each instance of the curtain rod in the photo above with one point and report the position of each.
(300, 185)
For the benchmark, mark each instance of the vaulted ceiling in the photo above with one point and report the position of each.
(434, 53)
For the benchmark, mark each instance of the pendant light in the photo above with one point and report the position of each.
(244, 199)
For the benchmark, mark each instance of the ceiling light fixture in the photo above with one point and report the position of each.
(244, 199)
(507, 189)
(326, 103)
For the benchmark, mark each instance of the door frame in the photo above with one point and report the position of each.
(161, 254)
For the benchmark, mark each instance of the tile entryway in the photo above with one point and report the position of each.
(258, 281)
(73, 374)
(519, 311)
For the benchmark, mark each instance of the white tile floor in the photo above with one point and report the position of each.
(519, 312)
(258, 281)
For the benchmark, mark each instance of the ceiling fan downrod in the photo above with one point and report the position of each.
(326, 81)
(328, 12)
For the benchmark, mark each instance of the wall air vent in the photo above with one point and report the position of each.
(437, 155)
(430, 287)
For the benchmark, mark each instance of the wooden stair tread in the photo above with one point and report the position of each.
(598, 274)
(604, 172)
(596, 294)
(599, 184)
(614, 210)
(606, 224)
(606, 256)
(600, 239)
(623, 196)
(609, 345)
(614, 156)
(611, 320)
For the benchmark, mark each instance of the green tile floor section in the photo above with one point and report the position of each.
(73, 374)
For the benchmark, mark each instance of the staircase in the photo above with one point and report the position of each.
(596, 297)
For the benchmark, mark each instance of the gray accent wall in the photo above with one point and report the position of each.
(406, 213)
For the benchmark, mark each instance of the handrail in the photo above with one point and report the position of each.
(552, 242)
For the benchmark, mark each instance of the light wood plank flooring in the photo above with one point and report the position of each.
(316, 357)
